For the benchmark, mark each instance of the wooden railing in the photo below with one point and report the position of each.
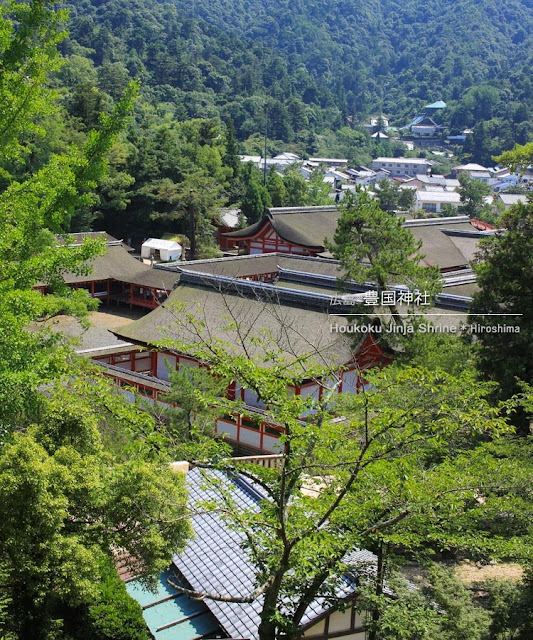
(274, 461)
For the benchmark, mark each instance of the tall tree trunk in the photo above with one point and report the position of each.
(380, 578)
(267, 629)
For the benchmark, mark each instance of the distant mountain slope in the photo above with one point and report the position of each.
(319, 64)
(416, 48)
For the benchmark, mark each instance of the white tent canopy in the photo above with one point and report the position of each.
(159, 249)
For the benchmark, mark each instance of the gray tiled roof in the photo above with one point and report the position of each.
(292, 329)
(215, 562)
(116, 263)
(306, 226)
(310, 226)
(260, 263)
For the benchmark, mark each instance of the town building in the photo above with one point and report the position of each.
(459, 138)
(330, 162)
(433, 201)
(435, 180)
(365, 177)
(402, 166)
(475, 171)
(510, 199)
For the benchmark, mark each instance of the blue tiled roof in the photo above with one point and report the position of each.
(214, 561)
(416, 120)
(170, 615)
(436, 105)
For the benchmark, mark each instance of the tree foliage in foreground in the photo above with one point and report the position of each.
(66, 500)
(33, 210)
(402, 470)
(439, 607)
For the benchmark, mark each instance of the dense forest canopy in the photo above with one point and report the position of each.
(319, 62)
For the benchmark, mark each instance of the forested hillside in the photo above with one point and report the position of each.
(319, 62)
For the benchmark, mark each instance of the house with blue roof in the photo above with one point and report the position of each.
(216, 562)
(435, 106)
(423, 125)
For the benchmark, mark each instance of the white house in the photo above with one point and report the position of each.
(475, 171)
(433, 201)
(330, 162)
(281, 161)
(366, 177)
(338, 177)
(255, 160)
(509, 199)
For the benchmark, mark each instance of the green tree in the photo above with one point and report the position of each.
(519, 158)
(374, 246)
(66, 501)
(503, 266)
(256, 198)
(482, 143)
(394, 472)
(295, 187)
(114, 614)
(509, 604)
(441, 608)
(196, 201)
(231, 156)
(392, 197)
(473, 193)
(276, 188)
(33, 210)
(194, 393)
(29, 35)
(449, 210)
(318, 191)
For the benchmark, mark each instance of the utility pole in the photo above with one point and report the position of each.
(265, 158)
(192, 224)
